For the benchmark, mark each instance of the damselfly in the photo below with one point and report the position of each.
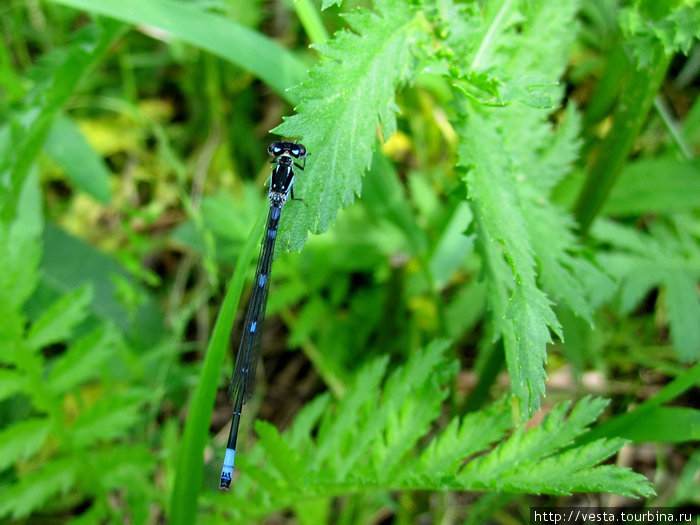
(243, 378)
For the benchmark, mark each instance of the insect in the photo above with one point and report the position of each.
(285, 155)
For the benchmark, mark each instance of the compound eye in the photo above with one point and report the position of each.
(274, 149)
(299, 151)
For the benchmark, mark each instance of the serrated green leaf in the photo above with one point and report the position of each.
(327, 3)
(509, 178)
(460, 439)
(22, 439)
(552, 473)
(32, 492)
(614, 480)
(108, 419)
(58, 321)
(410, 411)
(642, 262)
(555, 432)
(495, 196)
(539, 460)
(512, 467)
(651, 31)
(124, 467)
(82, 360)
(347, 96)
(307, 419)
(283, 458)
(532, 314)
(532, 91)
(553, 242)
(574, 470)
(335, 432)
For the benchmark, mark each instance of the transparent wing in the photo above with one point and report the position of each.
(243, 378)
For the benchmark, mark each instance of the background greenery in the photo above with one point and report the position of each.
(501, 200)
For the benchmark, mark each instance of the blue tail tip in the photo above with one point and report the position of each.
(227, 469)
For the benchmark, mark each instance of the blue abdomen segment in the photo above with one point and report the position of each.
(227, 469)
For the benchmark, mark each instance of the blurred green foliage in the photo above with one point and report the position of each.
(503, 200)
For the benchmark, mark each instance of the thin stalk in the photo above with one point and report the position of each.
(190, 470)
(672, 126)
(636, 99)
(311, 20)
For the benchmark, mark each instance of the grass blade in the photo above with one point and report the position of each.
(188, 479)
(248, 49)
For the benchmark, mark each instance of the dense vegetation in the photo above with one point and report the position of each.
(501, 200)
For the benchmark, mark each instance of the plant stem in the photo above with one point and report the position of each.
(636, 99)
(311, 21)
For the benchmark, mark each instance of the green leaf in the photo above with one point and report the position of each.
(539, 442)
(82, 360)
(11, 383)
(307, 419)
(108, 419)
(646, 27)
(636, 419)
(69, 149)
(484, 89)
(663, 258)
(327, 3)
(527, 461)
(686, 489)
(22, 439)
(214, 33)
(338, 433)
(532, 316)
(494, 194)
(555, 249)
(409, 404)
(663, 424)
(655, 185)
(445, 453)
(284, 459)
(683, 306)
(513, 158)
(21, 251)
(574, 471)
(69, 263)
(32, 492)
(58, 82)
(371, 442)
(347, 96)
(58, 321)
